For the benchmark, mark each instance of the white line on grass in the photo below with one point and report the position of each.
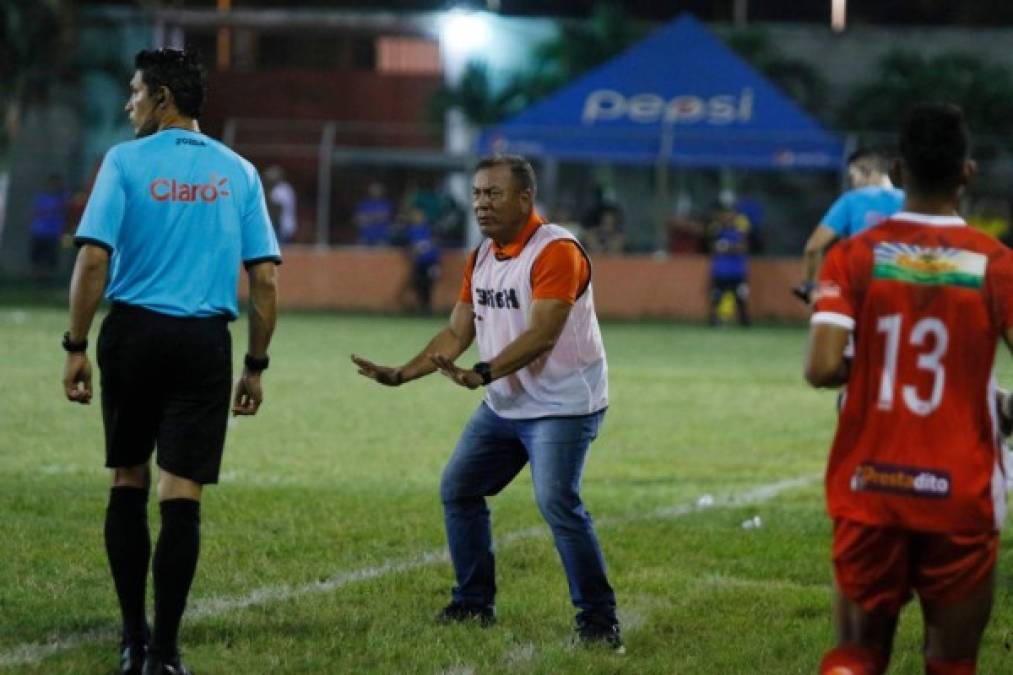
(216, 606)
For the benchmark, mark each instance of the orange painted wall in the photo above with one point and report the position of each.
(624, 286)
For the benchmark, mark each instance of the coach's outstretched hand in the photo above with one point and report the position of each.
(249, 394)
(77, 378)
(465, 378)
(382, 374)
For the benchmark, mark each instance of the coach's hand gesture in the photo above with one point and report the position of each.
(249, 394)
(465, 378)
(383, 374)
(77, 378)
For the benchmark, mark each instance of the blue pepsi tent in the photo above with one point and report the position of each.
(679, 97)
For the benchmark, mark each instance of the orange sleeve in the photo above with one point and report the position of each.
(469, 269)
(560, 272)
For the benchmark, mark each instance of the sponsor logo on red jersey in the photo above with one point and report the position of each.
(170, 190)
(902, 480)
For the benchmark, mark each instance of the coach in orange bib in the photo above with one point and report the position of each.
(527, 298)
(915, 482)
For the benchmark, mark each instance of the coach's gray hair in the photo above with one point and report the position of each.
(520, 168)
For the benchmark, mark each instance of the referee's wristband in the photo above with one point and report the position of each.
(255, 365)
(72, 347)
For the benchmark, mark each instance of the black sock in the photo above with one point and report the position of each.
(128, 547)
(173, 569)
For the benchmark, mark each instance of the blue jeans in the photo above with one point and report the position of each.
(491, 451)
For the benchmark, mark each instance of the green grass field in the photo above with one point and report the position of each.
(323, 547)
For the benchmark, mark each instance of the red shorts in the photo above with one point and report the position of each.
(880, 567)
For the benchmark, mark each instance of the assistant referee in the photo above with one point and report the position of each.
(172, 215)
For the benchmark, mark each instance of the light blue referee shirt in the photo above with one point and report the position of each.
(178, 212)
(861, 208)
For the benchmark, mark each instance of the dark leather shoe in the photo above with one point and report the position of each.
(458, 612)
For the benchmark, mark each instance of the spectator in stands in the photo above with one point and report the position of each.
(281, 203)
(729, 232)
(424, 256)
(374, 217)
(602, 223)
(752, 209)
(49, 223)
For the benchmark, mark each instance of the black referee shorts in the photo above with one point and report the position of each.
(166, 383)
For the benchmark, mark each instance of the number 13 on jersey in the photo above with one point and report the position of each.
(930, 338)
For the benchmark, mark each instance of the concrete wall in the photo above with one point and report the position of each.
(625, 287)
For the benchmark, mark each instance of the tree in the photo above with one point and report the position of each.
(983, 90)
(577, 49)
(798, 79)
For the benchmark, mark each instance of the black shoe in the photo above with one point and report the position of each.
(595, 631)
(132, 657)
(457, 612)
(154, 665)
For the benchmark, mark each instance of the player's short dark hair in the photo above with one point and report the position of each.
(935, 143)
(875, 159)
(180, 72)
(520, 168)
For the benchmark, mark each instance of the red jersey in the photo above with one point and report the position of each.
(917, 443)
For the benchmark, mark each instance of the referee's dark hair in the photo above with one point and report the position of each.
(180, 72)
(520, 168)
(935, 143)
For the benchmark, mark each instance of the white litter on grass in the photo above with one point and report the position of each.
(752, 523)
(216, 606)
(705, 501)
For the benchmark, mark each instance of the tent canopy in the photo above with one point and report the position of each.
(679, 97)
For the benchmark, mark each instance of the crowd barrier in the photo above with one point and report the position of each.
(625, 286)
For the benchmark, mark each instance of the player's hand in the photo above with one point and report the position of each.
(385, 375)
(249, 394)
(465, 378)
(804, 291)
(77, 378)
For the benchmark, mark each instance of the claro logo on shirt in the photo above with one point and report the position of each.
(170, 190)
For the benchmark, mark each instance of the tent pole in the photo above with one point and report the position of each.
(661, 190)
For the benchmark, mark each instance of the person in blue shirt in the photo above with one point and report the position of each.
(424, 257)
(374, 217)
(872, 199)
(49, 220)
(729, 265)
(171, 218)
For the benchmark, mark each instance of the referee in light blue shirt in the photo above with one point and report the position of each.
(172, 216)
(872, 199)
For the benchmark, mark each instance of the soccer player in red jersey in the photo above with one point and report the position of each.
(915, 482)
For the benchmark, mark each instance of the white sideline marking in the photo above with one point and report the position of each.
(34, 652)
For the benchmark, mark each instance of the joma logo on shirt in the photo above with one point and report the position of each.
(507, 299)
(168, 190)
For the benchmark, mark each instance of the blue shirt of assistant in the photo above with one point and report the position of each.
(178, 212)
(861, 208)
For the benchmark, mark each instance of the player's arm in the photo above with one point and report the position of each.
(825, 363)
(86, 288)
(447, 345)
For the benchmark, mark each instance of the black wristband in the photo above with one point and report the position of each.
(485, 370)
(74, 347)
(255, 365)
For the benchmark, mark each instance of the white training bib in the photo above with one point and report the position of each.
(570, 379)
